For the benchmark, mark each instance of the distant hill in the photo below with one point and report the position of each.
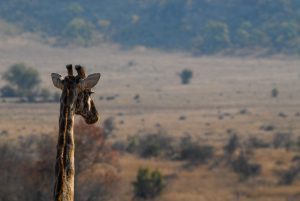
(198, 26)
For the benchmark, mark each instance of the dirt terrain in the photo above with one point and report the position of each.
(224, 93)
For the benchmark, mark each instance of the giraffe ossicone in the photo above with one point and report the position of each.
(75, 99)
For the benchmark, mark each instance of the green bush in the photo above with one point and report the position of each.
(148, 184)
(185, 76)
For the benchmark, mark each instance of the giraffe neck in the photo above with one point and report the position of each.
(64, 168)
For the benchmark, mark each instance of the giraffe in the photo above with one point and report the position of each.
(75, 99)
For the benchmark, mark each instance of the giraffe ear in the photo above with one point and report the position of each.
(57, 80)
(91, 80)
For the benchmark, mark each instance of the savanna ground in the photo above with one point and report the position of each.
(209, 108)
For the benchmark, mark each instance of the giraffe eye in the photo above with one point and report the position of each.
(90, 92)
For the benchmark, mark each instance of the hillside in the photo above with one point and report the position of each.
(197, 26)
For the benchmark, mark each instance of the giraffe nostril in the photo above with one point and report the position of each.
(91, 120)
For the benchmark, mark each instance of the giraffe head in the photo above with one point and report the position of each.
(76, 92)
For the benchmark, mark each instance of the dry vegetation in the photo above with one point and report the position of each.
(142, 94)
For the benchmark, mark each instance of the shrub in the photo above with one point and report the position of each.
(243, 111)
(185, 76)
(296, 158)
(151, 150)
(182, 118)
(151, 145)
(274, 92)
(137, 98)
(92, 151)
(289, 176)
(109, 126)
(267, 127)
(119, 146)
(148, 184)
(193, 152)
(132, 144)
(91, 146)
(31, 176)
(281, 114)
(111, 97)
(196, 154)
(254, 142)
(282, 140)
(8, 91)
(155, 144)
(245, 169)
(232, 145)
(33, 160)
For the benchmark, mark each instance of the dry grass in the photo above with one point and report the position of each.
(221, 87)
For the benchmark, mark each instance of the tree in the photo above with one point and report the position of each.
(248, 36)
(216, 37)
(148, 184)
(243, 34)
(282, 34)
(23, 80)
(185, 76)
(75, 8)
(79, 31)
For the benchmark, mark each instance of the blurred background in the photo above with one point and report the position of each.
(199, 99)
